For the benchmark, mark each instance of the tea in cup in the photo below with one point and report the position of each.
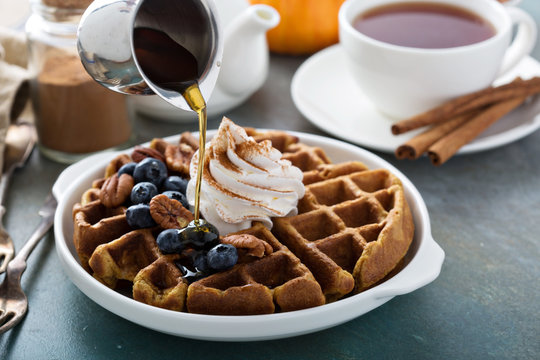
(409, 56)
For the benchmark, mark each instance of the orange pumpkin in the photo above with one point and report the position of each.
(306, 26)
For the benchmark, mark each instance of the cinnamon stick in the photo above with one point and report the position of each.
(465, 103)
(419, 144)
(448, 145)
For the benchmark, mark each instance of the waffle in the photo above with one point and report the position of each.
(278, 280)
(280, 139)
(96, 224)
(123, 258)
(352, 229)
(304, 157)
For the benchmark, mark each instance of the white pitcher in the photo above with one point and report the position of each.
(244, 66)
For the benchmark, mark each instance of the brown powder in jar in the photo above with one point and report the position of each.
(68, 4)
(75, 113)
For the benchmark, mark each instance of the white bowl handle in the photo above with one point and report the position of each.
(69, 174)
(424, 268)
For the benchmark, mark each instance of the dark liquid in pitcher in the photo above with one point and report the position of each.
(424, 25)
(172, 67)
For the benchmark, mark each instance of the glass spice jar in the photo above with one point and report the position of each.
(74, 115)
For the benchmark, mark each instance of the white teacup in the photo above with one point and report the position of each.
(404, 81)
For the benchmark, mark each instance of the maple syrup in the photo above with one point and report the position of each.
(172, 67)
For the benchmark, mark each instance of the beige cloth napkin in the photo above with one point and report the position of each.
(14, 87)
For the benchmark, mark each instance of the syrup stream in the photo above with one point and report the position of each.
(173, 67)
(196, 102)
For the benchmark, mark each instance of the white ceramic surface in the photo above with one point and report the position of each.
(511, 2)
(13, 14)
(404, 81)
(324, 92)
(424, 264)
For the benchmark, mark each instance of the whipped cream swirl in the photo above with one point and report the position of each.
(244, 181)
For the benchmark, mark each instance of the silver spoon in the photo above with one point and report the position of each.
(20, 141)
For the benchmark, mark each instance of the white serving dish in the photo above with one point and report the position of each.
(424, 264)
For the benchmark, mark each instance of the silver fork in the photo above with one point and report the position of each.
(13, 301)
(20, 140)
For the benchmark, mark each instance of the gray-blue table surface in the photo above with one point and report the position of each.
(485, 214)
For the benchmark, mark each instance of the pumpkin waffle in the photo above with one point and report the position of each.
(113, 252)
(353, 227)
(277, 281)
(302, 156)
(96, 224)
(123, 258)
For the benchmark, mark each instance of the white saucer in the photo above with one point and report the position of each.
(326, 94)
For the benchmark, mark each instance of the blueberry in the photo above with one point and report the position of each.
(127, 169)
(200, 262)
(143, 192)
(138, 216)
(175, 183)
(169, 242)
(222, 257)
(151, 170)
(176, 195)
(201, 235)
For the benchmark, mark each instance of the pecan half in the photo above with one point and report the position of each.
(188, 139)
(140, 153)
(97, 184)
(178, 158)
(90, 195)
(248, 246)
(116, 164)
(159, 145)
(169, 213)
(116, 190)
